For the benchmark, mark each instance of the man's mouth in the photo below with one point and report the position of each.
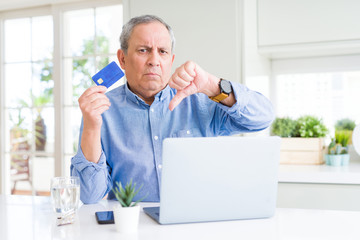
(152, 74)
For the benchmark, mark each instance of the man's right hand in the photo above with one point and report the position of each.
(93, 102)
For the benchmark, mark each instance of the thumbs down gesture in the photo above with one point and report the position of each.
(189, 79)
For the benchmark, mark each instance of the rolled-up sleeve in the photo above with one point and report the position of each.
(95, 180)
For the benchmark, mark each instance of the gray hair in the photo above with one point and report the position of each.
(129, 27)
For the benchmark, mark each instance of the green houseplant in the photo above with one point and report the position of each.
(338, 152)
(310, 127)
(126, 214)
(126, 195)
(283, 127)
(302, 139)
(345, 124)
(306, 127)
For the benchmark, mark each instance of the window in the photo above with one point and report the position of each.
(325, 87)
(86, 52)
(41, 80)
(29, 109)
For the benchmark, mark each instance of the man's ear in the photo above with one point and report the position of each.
(121, 58)
(173, 57)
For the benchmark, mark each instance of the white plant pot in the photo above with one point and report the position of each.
(126, 219)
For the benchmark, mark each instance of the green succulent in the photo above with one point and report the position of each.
(343, 137)
(332, 146)
(126, 195)
(335, 148)
(339, 144)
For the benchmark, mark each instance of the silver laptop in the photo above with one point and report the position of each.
(217, 179)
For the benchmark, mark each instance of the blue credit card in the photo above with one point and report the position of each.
(108, 75)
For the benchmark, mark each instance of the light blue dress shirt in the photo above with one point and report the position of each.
(132, 133)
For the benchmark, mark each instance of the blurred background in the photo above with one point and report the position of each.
(304, 55)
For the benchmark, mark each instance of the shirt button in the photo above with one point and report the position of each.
(188, 132)
(156, 137)
(151, 109)
(159, 166)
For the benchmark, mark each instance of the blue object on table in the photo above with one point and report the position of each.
(108, 75)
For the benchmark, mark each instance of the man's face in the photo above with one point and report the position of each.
(148, 61)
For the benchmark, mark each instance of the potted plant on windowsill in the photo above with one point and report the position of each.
(345, 124)
(302, 139)
(126, 214)
(338, 152)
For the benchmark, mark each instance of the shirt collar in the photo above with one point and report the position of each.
(132, 96)
(163, 94)
(160, 96)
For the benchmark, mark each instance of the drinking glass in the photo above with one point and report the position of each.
(65, 195)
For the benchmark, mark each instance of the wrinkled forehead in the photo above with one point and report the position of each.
(151, 34)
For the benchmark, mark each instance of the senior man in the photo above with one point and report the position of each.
(122, 130)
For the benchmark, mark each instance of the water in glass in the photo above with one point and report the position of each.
(65, 194)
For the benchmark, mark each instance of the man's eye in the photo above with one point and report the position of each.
(163, 51)
(142, 50)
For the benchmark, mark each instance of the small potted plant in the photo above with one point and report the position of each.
(333, 157)
(345, 124)
(126, 214)
(338, 153)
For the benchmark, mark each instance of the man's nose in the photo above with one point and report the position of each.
(154, 59)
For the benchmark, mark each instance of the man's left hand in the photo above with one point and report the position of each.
(189, 79)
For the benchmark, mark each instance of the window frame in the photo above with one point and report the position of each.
(56, 11)
(2, 110)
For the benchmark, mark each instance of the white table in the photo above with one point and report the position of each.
(26, 217)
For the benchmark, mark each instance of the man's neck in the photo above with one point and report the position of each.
(147, 99)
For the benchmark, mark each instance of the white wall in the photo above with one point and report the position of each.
(254, 64)
(307, 28)
(207, 32)
(308, 21)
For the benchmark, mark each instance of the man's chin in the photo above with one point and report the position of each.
(155, 87)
